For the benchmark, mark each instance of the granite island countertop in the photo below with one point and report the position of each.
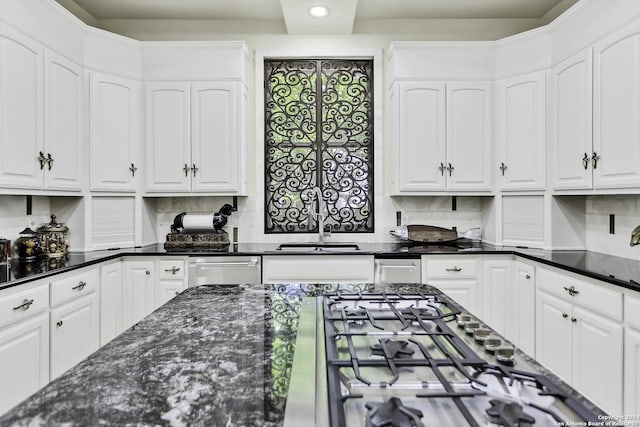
(218, 355)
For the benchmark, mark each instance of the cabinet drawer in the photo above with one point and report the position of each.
(74, 286)
(23, 302)
(171, 269)
(459, 267)
(632, 311)
(318, 269)
(598, 298)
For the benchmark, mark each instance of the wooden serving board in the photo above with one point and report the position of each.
(430, 234)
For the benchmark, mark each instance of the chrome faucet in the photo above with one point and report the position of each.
(318, 210)
(635, 236)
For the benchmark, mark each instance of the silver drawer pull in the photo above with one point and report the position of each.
(173, 269)
(59, 323)
(25, 305)
(227, 264)
(80, 286)
(455, 268)
(412, 267)
(572, 290)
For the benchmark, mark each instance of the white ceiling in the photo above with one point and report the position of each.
(293, 13)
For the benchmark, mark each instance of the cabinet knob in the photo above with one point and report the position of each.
(80, 286)
(25, 305)
(503, 167)
(177, 292)
(574, 320)
(572, 290)
(454, 268)
(59, 323)
(147, 272)
(565, 315)
(527, 276)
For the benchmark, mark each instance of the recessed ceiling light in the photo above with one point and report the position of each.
(318, 11)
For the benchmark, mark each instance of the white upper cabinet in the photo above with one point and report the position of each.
(194, 137)
(616, 109)
(114, 103)
(21, 110)
(571, 132)
(63, 142)
(520, 117)
(443, 134)
(40, 116)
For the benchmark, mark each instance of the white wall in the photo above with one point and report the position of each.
(13, 217)
(626, 209)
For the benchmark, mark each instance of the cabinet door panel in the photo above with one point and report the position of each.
(168, 139)
(469, 144)
(520, 133)
(616, 108)
(421, 137)
(631, 371)
(167, 290)
(215, 140)
(115, 113)
(464, 292)
(63, 124)
(111, 300)
(497, 289)
(137, 291)
(21, 110)
(524, 306)
(571, 131)
(75, 333)
(597, 359)
(553, 335)
(24, 352)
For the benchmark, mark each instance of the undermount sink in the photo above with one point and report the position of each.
(318, 246)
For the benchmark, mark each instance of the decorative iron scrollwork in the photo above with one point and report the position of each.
(318, 135)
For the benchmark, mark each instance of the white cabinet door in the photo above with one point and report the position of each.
(520, 117)
(168, 165)
(21, 110)
(521, 327)
(110, 302)
(75, 333)
(215, 136)
(421, 136)
(137, 291)
(497, 289)
(631, 371)
(114, 105)
(463, 291)
(168, 289)
(63, 137)
(597, 359)
(616, 108)
(469, 143)
(571, 133)
(24, 352)
(553, 335)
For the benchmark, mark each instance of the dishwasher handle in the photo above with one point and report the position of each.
(396, 266)
(253, 263)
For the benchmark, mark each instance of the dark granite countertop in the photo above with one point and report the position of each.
(217, 355)
(618, 271)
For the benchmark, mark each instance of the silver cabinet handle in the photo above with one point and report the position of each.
(442, 168)
(42, 159)
(585, 161)
(186, 169)
(450, 168)
(80, 286)
(25, 305)
(59, 323)
(454, 268)
(565, 315)
(133, 169)
(49, 160)
(399, 267)
(173, 269)
(527, 276)
(194, 169)
(503, 167)
(572, 290)
(147, 272)
(594, 159)
(574, 320)
(227, 263)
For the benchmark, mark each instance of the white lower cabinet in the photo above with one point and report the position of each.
(110, 302)
(318, 269)
(632, 353)
(75, 319)
(521, 327)
(171, 279)
(138, 288)
(581, 344)
(24, 342)
(457, 277)
(497, 293)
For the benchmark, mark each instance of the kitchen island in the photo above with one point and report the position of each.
(212, 356)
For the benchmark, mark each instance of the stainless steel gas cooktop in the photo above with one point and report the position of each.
(390, 359)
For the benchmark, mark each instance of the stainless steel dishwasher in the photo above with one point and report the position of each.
(224, 270)
(397, 270)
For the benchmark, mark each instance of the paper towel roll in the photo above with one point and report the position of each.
(197, 224)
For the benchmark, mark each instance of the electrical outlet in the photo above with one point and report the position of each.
(612, 224)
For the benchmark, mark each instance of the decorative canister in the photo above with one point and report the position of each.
(53, 237)
(28, 245)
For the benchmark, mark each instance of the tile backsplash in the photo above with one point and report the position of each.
(626, 209)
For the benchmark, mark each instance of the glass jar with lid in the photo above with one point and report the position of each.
(53, 237)
(28, 245)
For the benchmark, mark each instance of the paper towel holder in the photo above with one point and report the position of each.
(218, 220)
